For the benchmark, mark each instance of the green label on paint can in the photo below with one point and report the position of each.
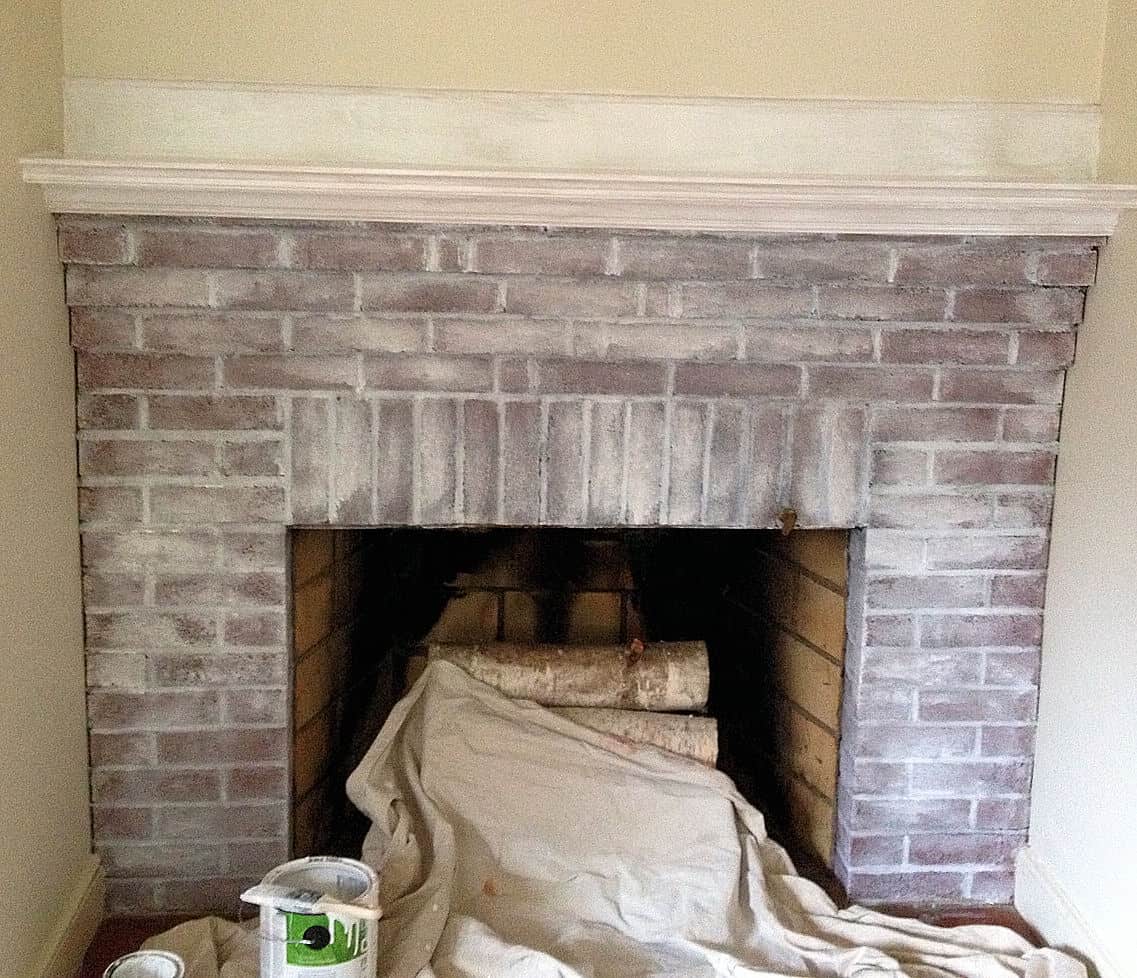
(319, 940)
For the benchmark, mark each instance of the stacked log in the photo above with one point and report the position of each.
(632, 694)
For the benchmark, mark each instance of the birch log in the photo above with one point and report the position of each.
(693, 737)
(663, 676)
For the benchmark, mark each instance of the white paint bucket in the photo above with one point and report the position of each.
(147, 964)
(331, 944)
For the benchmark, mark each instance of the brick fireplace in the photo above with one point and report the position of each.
(238, 379)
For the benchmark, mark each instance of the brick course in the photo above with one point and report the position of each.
(236, 379)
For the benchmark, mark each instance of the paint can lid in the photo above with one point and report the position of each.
(147, 964)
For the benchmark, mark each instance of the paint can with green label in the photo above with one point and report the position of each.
(319, 919)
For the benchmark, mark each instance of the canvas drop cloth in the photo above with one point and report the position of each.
(513, 843)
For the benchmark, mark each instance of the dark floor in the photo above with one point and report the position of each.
(119, 935)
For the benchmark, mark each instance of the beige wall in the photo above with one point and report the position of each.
(1085, 784)
(43, 804)
(954, 49)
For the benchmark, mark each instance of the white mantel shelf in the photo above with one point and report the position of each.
(725, 204)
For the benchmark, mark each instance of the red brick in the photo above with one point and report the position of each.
(978, 705)
(143, 370)
(311, 461)
(155, 709)
(111, 822)
(886, 703)
(710, 300)
(342, 334)
(292, 372)
(888, 550)
(216, 504)
(993, 886)
(650, 257)
(1002, 386)
(256, 784)
(215, 413)
(871, 383)
(1067, 267)
(509, 336)
(151, 859)
(890, 630)
(255, 629)
(964, 848)
(212, 333)
(138, 629)
(1016, 741)
(93, 244)
(107, 411)
(670, 340)
(876, 778)
(252, 458)
(1002, 814)
(165, 785)
(907, 887)
(565, 460)
(111, 590)
(263, 706)
(284, 289)
(112, 456)
(799, 341)
(207, 247)
(881, 303)
(726, 480)
(480, 461)
(944, 346)
(206, 895)
(597, 377)
(394, 439)
(121, 286)
(905, 741)
(1018, 591)
(737, 379)
(253, 550)
(96, 328)
(920, 667)
(436, 446)
(944, 591)
(115, 670)
(971, 778)
(111, 503)
(875, 850)
(520, 460)
(120, 749)
(687, 438)
(1023, 511)
(899, 467)
(987, 552)
(822, 261)
(766, 458)
(1039, 305)
(218, 669)
(135, 549)
(950, 264)
(429, 373)
(216, 822)
(1031, 424)
(981, 630)
(585, 299)
(911, 814)
(541, 255)
(430, 293)
(938, 424)
(928, 511)
(1012, 668)
(233, 744)
(1046, 349)
(257, 857)
(132, 896)
(374, 251)
(984, 468)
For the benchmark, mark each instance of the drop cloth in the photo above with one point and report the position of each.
(513, 843)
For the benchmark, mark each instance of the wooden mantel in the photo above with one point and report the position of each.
(725, 204)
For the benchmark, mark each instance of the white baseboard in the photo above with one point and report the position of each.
(121, 119)
(1047, 907)
(79, 919)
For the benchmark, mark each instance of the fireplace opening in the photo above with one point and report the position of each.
(770, 607)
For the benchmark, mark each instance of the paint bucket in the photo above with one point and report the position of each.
(308, 925)
(147, 964)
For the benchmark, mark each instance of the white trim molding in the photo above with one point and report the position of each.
(80, 917)
(121, 119)
(603, 200)
(1047, 907)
